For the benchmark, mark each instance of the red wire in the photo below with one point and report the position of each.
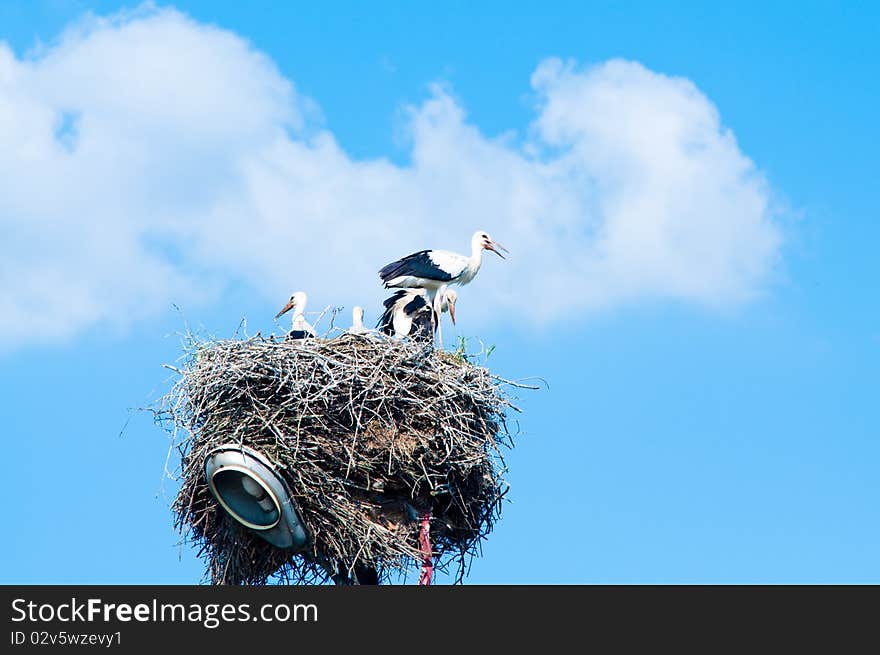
(425, 544)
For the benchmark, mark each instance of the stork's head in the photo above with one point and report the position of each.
(449, 300)
(483, 240)
(297, 302)
(357, 315)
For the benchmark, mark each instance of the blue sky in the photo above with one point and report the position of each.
(712, 408)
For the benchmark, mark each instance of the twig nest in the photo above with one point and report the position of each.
(368, 433)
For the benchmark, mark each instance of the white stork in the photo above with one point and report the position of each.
(409, 313)
(357, 322)
(300, 329)
(429, 269)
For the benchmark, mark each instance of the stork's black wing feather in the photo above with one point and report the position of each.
(386, 321)
(418, 264)
(423, 326)
(416, 308)
(417, 304)
(394, 297)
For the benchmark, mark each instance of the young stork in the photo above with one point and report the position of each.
(429, 269)
(357, 322)
(300, 329)
(409, 313)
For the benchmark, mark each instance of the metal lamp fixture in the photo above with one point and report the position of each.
(248, 487)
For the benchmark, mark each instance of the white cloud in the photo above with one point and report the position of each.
(149, 159)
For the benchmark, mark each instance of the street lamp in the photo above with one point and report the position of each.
(248, 487)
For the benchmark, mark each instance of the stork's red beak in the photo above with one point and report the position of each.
(286, 309)
(496, 247)
(452, 312)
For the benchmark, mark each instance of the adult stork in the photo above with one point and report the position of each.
(300, 329)
(430, 269)
(357, 322)
(409, 312)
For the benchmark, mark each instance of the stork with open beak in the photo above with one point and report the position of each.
(430, 269)
(300, 329)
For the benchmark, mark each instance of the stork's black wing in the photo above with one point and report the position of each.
(422, 314)
(391, 300)
(416, 307)
(417, 304)
(386, 321)
(423, 326)
(418, 264)
(299, 334)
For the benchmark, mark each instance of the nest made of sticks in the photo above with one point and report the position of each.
(368, 432)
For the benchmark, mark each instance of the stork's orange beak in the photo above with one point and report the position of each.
(496, 247)
(452, 312)
(286, 309)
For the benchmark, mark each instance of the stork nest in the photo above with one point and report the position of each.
(369, 433)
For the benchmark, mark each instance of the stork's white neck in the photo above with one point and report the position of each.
(476, 250)
(299, 320)
(300, 307)
(474, 261)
